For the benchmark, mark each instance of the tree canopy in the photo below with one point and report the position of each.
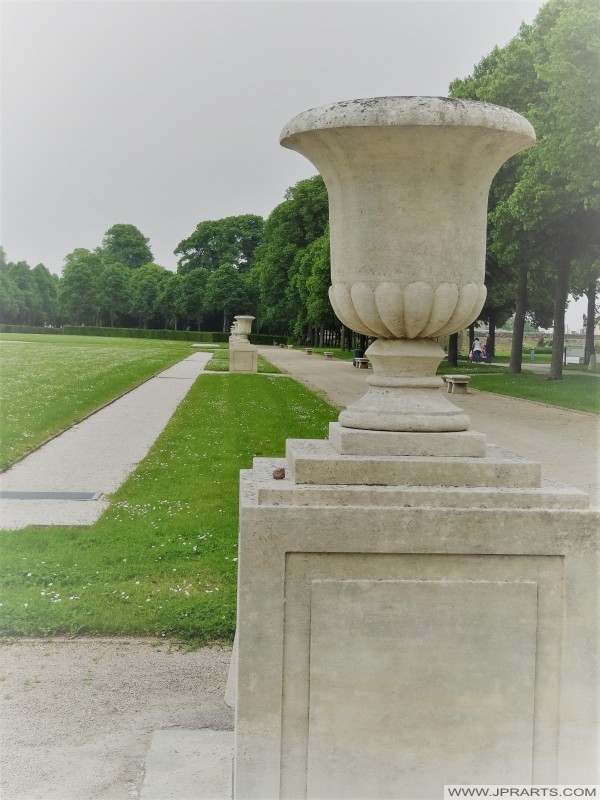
(125, 244)
(544, 211)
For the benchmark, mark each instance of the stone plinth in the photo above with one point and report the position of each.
(243, 357)
(420, 613)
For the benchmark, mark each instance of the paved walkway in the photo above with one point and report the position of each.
(94, 457)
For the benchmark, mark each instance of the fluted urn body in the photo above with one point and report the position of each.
(408, 180)
(243, 326)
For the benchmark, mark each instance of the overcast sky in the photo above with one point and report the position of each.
(165, 114)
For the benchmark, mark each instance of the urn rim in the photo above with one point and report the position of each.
(405, 111)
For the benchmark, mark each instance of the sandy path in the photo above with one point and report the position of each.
(566, 443)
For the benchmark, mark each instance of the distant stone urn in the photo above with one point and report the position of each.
(408, 180)
(243, 326)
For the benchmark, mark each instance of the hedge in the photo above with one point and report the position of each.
(142, 333)
(28, 329)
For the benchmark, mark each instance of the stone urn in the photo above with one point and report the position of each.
(243, 327)
(408, 180)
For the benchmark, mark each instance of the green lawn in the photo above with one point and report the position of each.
(220, 363)
(162, 559)
(48, 382)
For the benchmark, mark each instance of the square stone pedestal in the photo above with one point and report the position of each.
(414, 610)
(243, 357)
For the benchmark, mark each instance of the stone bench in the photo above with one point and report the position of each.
(457, 384)
(290, 346)
(362, 363)
(309, 351)
(328, 355)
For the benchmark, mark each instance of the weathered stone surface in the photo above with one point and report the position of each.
(505, 595)
(243, 357)
(314, 461)
(357, 442)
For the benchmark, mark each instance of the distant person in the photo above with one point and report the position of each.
(488, 349)
(476, 351)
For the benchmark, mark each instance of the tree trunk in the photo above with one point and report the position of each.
(516, 351)
(492, 333)
(590, 322)
(453, 350)
(343, 338)
(471, 336)
(561, 293)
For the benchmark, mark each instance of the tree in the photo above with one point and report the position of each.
(125, 244)
(169, 299)
(551, 73)
(231, 240)
(47, 292)
(114, 292)
(145, 291)
(192, 287)
(226, 292)
(277, 269)
(78, 288)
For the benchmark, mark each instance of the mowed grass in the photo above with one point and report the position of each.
(48, 382)
(162, 561)
(220, 363)
(578, 390)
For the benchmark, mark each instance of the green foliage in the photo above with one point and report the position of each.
(78, 288)
(278, 267)
(229, 241)
(545, 205)
(126, 245)
(226, 290)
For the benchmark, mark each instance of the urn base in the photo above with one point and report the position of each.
(404, 391)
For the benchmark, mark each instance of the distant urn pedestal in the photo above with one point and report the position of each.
(243, 356)
(415, 607)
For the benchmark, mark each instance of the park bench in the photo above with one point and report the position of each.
(327, 354)
(309, 351)
(290, 346)
(457, 384)
(362, 363)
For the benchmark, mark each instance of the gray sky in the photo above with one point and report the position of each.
(164, 114)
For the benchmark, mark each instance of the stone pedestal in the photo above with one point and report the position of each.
(414, 610)
(243, 356)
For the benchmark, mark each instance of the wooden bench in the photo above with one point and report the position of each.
(457, 384)
(362, 363)
(328, 355)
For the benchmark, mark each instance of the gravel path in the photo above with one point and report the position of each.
(566, 443)
(77, 716)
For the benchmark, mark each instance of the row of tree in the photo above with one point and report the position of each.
(544, 223)
(544, 211)
(118, 284)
